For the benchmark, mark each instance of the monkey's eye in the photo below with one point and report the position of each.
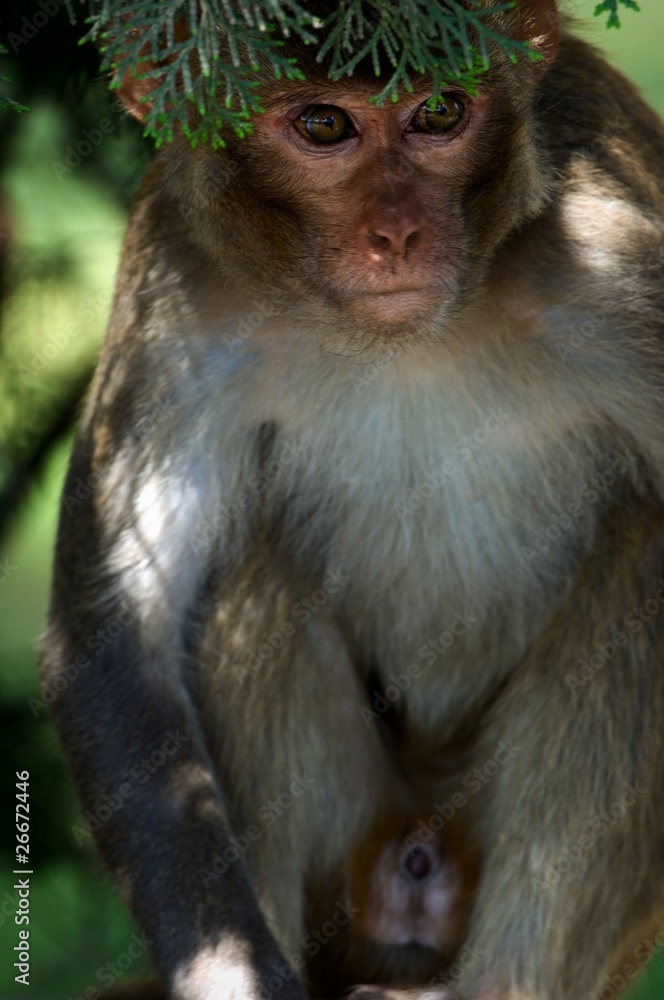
(446, 115)
(325, 124)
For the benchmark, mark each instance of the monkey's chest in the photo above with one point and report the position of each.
(449, 509)
(451, 539)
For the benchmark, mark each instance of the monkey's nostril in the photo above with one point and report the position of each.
(394, 240)
(417, 863)
(412, 241)
(380, 243)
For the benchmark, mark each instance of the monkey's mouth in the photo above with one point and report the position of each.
(394, 307)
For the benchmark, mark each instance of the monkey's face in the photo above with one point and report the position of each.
(384, 218)
(384, 236)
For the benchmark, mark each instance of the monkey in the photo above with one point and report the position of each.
(356, 645)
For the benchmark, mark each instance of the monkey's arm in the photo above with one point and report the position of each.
(114, 669)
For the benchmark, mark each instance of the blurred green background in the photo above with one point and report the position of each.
(68, 171)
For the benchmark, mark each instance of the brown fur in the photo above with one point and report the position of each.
(302, 493)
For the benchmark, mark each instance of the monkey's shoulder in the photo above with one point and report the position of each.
(588, 107)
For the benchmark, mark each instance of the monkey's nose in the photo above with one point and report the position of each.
(392, 240)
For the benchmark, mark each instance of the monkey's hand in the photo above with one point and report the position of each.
(388, 993)
(234, 981)
(489, 992)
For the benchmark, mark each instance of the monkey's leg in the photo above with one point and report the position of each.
(304, 775)
(573, 822)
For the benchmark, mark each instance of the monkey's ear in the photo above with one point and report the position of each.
(539, 25)
(133, 92)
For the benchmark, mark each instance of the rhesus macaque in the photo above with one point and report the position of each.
(371, 576)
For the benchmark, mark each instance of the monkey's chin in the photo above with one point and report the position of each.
(394, 314)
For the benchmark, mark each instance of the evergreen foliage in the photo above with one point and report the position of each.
(610, 7)
(7, 102)
(448, 39)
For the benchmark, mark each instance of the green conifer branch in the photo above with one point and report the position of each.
(447, 39)
(610, 7)
(224, 91)
(7, 102)
(208, 89)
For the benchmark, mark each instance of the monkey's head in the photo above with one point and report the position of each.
(382, 219)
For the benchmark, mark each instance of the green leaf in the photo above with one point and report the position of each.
(610, 7)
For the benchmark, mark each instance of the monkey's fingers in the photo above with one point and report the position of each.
(387, 993)
(489, 991)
